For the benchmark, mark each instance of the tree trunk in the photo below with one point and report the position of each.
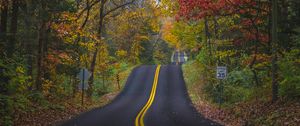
(274, 50)
(216, 27)
(93, 64)
(3, 29)
(13, 28)
(74, 84)
(102, 16)
(269, 51)
(208, 37)
(46, 44)
(3, 22)
(27, 43)
(40, 57)
(92, 69)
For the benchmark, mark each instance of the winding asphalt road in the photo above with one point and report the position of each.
(158, 92)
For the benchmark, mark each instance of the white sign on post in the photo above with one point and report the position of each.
(221, 72)
(83, 76)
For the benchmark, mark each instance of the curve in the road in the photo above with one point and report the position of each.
(139, 121)
(123, 110)
(165, 102)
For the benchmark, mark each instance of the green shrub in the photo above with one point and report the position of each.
(289, 68)
(237, 87)
(38, 97)
(14, 86)
(6, 103)
(203, 57)
(240, 78)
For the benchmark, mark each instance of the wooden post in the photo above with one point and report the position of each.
(118, 81)
(82, 86)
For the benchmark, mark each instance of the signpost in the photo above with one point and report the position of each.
(221, 72)
(118, 81)
(221, 75)
(83, 76)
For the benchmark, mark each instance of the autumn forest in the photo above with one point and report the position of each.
(46, 44)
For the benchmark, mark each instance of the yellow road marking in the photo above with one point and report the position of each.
(139, 120)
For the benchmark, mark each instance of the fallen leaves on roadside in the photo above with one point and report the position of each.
(66, 110)
(285, 113)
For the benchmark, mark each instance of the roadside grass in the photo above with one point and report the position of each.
(254, 111)
(195, 82)
(124, 76)
(110, 84)
(57, 111)
(192, 73)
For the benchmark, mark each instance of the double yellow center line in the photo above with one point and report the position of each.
(139, 120)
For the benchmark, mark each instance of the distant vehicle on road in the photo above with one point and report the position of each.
(179, 58)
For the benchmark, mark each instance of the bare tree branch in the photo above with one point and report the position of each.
(118, 7)
(88, 7)
(87, 15)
